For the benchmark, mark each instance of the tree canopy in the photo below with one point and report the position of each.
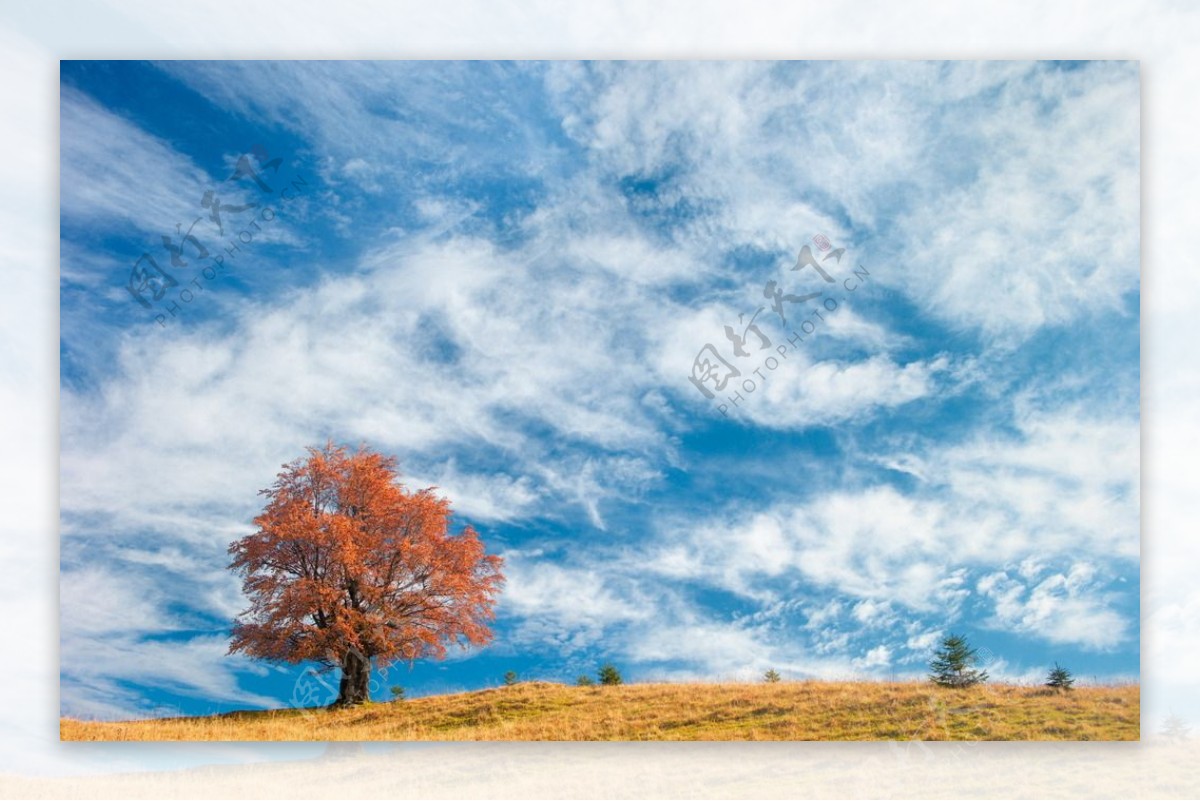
(348, 566)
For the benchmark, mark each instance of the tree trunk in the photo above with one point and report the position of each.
(355, 687)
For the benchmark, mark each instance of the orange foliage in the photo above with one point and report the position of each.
(347, 566)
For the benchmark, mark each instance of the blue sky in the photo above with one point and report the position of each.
(502, 273)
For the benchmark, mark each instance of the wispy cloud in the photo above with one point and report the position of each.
(505, 275)
(1062, 607)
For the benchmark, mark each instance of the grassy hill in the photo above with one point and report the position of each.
(809, 710)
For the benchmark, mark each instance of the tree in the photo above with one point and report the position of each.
(348, 566)
(1175, 729)
(397, 692)
(771, 676)
(510, 678)
(610, 675)
(584, 680)
(1060, 678)
(952, 664)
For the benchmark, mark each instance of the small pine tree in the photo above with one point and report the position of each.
(584, 680)
(610, 675)
(510, 678)
(953, 664)
(1175, 729)
(1060, 678)
(771, 677)
(397, 693)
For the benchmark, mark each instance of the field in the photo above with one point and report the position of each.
(810, 710)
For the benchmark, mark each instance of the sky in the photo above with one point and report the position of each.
(515, 277)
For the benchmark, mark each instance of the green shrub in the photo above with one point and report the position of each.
(953, 664)
(609, 675)
(1060, 678)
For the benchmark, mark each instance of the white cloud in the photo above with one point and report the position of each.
(798, 388)
(872, 613)
(878, 657)
(116, 629)
(1038, 228)
(113, 171)
(1048, 227)
(358, 357)
(802, 393)
(717, 649)
(924, 642)
(1062, 608)
(117, 175)
(497, 497)
(195, 667)
(1023, 500)
(571, 596)
(1069, 482)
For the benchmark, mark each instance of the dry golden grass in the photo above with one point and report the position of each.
(810, 710)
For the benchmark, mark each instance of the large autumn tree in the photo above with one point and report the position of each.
(348, 566)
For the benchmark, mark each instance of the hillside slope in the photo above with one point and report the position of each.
(783, 711)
